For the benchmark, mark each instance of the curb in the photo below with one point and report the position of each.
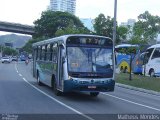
(138, 89)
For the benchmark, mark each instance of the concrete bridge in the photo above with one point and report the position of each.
(16, 28)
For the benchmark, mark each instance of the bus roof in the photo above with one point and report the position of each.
(155, 46)
(125, 45)
(64, 37)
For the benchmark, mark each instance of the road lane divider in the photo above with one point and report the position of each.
(20, 74)
(54, 99)
(139, 104)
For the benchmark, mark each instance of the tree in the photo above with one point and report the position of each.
(9, 51)
(121, 34)
(50, 22)
(147, 27)
(72, 30)
(137, 40)
(103, 26)
(28, 45)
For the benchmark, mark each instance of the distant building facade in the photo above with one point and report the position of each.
(129, 24)
(63, 5)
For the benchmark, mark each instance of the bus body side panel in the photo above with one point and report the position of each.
(123, 61)
(46, 71)
(40, 66)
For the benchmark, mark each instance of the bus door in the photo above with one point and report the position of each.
(34, 62)
(60, 67)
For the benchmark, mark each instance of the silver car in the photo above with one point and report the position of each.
(6, 59)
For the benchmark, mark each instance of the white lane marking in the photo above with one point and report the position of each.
(146, 106)
(16, 67)
(20, 74)
(63, 104)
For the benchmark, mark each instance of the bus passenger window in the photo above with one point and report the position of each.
(51, 52)
(156, 53)
(48, 52)
(55, 51)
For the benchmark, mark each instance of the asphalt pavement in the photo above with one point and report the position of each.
(20, 94)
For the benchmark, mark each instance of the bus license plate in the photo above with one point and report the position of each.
(92, 87)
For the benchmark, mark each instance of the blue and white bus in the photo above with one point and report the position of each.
(123, 56)
(151, 65)
(75, 63)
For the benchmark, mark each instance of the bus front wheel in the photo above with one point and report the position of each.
(94, 94)
(152, 73)
(56, 91)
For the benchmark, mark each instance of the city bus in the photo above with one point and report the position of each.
(151, 65)
(123, 56)
(75, 63)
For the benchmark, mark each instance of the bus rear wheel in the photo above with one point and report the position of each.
(94, 94)
(38, 81)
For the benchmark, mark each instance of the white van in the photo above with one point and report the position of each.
(151, 65)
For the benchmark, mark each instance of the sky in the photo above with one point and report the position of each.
(27, 11)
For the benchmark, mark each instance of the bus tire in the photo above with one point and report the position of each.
(152, 73)
(54, 86)
(94, 94)
(38, 80)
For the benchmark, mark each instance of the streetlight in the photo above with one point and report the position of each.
(114, 29)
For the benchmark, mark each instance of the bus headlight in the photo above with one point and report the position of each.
(70, 78)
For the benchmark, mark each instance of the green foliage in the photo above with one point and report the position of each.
(103, 26)
(137, 40)
(28, 45)
(71, 29)
(147, 27)
(128, 50)
(121, 34)
(9, 51)
(51, 22)
(150, 83)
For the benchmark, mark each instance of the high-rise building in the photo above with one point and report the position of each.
(63, 5)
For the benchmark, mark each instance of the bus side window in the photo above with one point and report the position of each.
(156, 53)
(55, 51)
(36, 53)
(48, 52)
(39, 52)
(51, 52)
(43, 52)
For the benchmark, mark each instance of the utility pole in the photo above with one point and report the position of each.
(114, 31)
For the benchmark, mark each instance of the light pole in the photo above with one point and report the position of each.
(114, 30)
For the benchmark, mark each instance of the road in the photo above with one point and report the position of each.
(20, 94)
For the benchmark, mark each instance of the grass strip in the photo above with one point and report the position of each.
(149, 83)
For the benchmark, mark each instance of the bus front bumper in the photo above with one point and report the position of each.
(89, 86)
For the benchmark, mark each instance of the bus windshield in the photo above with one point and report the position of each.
(89, 59)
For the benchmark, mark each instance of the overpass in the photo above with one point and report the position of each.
(16, 28)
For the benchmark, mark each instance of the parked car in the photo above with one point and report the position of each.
(14, 58)
(6, 59)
